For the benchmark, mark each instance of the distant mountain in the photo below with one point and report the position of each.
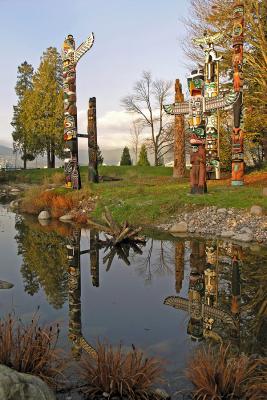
(5, 151)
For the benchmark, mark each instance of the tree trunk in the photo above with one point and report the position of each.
(264, 145)
(179, 136)
(52, 156)
(24, 162)
(48, 157)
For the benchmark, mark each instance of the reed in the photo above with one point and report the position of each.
(216, 375)
(117, 373)
(30, 348)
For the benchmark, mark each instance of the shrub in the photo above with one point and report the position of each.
(125, 374)
(30, 348)
(218, 376)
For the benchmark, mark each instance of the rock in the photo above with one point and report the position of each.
(256, 210)
(221, 210)
(66, 217)
(162, 394)
(247, 230)
(264, 191)
(17, 386)
(13, 204)
(243, 237)
(227, 234)
(179, 227)
(44, 215)
(14, 190)
(6, 285)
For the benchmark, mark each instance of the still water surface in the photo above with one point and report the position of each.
(118, 294)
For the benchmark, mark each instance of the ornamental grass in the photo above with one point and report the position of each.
(216, 375)
(126, 374)
(30, 348)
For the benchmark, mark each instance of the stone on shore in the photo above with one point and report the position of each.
(227, 234)
(179, 227)
(44, 215)
(243, 237)
(66, 218)
(17, 386)
(256, 210)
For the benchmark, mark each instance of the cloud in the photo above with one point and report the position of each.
(113, 128)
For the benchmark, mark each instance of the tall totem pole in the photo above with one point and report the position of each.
(238, 167)
(70, 58)
(92, 141)
(179, 136)
(211, 89)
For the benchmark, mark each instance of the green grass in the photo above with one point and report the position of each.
(149, 195)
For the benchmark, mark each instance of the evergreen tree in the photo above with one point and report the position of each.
(143, 160)
(100, 158)
(47, 104)
(125, 157)
(22, 139)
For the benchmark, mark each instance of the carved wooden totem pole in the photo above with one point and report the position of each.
(70, 58)
(211, 90)
(92, 141)
(179, 136)
(238, 167)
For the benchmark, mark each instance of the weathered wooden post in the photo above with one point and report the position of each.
(70, 58)
(179, 265)
(94, 256)
(92, 142)
(238, 167)
(179, 136)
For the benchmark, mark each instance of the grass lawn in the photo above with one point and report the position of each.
(149, 195)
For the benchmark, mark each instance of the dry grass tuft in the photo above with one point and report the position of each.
(218, 376)
(30, 348)
(124, 374)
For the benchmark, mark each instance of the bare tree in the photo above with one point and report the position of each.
(147, 102)
(135, 132)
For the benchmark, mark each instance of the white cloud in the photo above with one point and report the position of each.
(113, 128)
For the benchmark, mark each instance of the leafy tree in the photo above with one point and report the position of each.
(47, 105)
(100, 158)
(22, 139)
(125, 157)
(143, 160)
(147, 103)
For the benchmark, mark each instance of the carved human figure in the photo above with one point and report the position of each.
(198, 170)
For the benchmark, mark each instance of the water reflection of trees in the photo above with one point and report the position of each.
(44, 261)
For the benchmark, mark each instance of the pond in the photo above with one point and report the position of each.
(166, 297)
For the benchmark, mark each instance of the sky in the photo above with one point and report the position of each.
(131, 36)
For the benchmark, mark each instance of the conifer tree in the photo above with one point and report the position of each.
(125, 157)
(47, 103)
(23, 141)
(143, 160)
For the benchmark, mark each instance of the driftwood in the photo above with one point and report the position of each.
(118, 233)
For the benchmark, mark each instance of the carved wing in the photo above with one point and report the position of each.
(217, 313)
(84, 47)
(177, 302)
(209, 39)
(221, 101)
(177, 108)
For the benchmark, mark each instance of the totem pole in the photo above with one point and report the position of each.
(94, 256)
(179, 265)
(211, 90)
(238, 167)
(70, 58)
(74, 274)
(179, 136)
(92, 141)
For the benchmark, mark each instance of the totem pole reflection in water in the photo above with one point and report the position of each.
(202, 302)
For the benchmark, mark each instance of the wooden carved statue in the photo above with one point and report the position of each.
(70, 58)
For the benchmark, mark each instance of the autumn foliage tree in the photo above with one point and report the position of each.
(216, 16)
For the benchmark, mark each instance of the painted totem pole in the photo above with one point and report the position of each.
(70, 58)
(198, 108)
(179, 136)
(211, 90)
(92, 141)
(238, 167)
